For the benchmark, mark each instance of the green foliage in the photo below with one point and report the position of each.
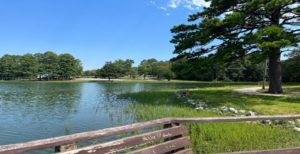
(123, 68)
(133, 73)
(232, 29)
(202, 69)
(116, 69)
(291, 67)
(147, 67)
(249, 25)
(90, 73)
(163, 70)
(68, 66)
(46, 65)
(160, 69)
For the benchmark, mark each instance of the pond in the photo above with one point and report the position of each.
(38, 110)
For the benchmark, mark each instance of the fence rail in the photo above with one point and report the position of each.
(69, 139)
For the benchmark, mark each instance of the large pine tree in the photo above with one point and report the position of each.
(235, 28)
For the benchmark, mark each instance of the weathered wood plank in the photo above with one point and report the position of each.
(62, 140)
(185, 151)
(164, 147)
(276, 151)
(116, 145)
(56, 141)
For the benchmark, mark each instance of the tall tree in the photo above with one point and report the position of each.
(162, 69)
(28, 66)
(235, 28)
(109, 70)
(68, 66)
(146, 67)
(124, 66)
(49, 65)
(9, 67)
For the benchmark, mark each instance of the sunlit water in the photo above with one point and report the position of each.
(30, 111)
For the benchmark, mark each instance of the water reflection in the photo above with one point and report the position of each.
(30, 111)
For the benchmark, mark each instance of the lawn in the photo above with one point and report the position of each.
(221, 137)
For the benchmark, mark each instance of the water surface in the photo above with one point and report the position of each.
(38, 110)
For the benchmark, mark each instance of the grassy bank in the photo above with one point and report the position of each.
(220, 137)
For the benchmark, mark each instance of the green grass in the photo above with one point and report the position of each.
(262, 104)
(221, 137)
(294, 90)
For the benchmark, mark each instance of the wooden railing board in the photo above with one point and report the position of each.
(69, 139)
(117, 145)
(185, 151)
(164, 147)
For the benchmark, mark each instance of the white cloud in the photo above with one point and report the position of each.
(174, 3)
(168, 14)
(190, 4)
(152, 2)
(200, 3)
(163, 8)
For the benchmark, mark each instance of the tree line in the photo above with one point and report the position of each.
(41, 66)
(51, 66)
(206, 69)
(148, 68)
(247, 69)
(184, 69)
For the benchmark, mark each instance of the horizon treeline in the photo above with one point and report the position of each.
(247, 69)
(148, 68)
(52, 66)
(41, 66)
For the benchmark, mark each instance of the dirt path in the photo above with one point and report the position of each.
(254, 91)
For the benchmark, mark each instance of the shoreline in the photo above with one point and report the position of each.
(118, 80)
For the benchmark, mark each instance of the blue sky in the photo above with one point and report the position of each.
(94, 31)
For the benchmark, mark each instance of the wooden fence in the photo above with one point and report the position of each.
(173, 135)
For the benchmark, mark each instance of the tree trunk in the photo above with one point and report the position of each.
(275, 86)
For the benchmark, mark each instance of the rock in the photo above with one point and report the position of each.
(224, 108)
(297, 129)
(251, 113)
(242, 111)
(233, 110)
(190, 101)
(269, 122)
(200, 108)
(292, 123)
(181, 94)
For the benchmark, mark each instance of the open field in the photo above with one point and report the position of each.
(208, 138)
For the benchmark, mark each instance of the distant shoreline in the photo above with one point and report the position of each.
(78, 80)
